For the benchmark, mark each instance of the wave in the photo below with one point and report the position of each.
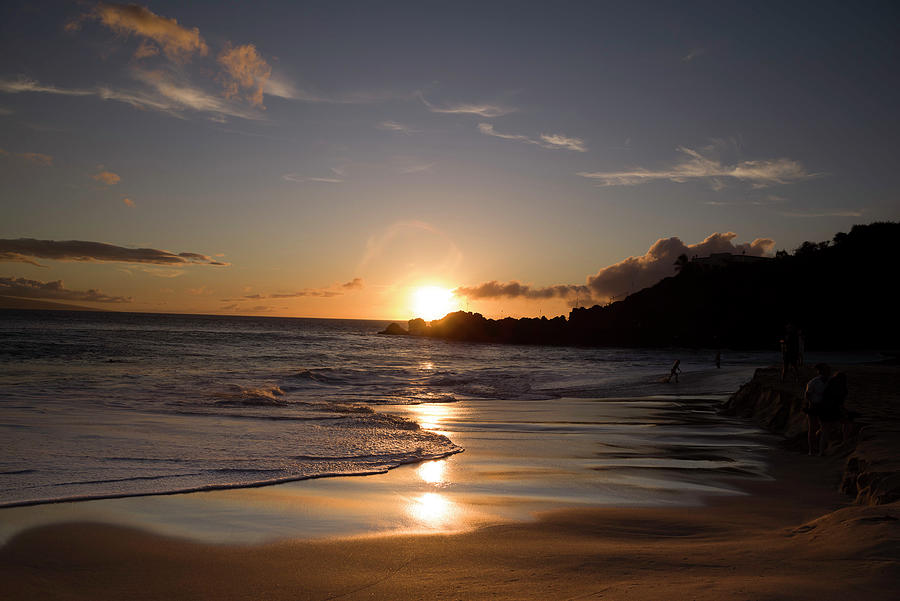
(371, 471)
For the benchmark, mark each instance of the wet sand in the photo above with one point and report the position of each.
(792, 536)
(783, 541)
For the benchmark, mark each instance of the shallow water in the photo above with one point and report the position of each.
(111, 404)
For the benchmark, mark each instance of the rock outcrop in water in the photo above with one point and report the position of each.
(871, 472)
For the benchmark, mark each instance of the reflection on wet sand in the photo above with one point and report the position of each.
(435, 511)
(433, 472)
(433, 416)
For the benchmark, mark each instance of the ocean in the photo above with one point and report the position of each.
(101, 405)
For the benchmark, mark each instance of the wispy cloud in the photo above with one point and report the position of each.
(164, 96)
(178, 43)
(848, 213)
(128, 202)
(38, 158)
(692, 54)
(24, 288)
(25, 250)
(398, 127)
(297, 178)
(478, 109)
(696, 166)
(326, 292)
(178, 96)
(551, 141)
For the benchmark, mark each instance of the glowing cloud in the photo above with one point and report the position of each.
(107, 177)
(244, 71)
(177, 42)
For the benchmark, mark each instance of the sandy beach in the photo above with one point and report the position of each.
(791, 536)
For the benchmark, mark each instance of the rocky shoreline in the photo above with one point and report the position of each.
(870, 460)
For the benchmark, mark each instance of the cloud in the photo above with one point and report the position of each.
(33, 157)
(179, 95)
(176, 42)
(635, 273)
(481, 110)
(107, 177)
(295, 177)
(563, 142)
(694, 165)
(327, 292)
(165, 95)
(514, 289)
(22, 249)
(850, 213)
(128, 202)
(21, 287)
(692, 54)
(244, 71)
(551, 141)
(36, 157)
(394, 126)
(630, 275)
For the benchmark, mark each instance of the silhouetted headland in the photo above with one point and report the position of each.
(837, 292)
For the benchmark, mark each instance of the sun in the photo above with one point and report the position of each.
(432, 302)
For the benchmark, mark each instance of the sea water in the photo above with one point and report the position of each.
(97, 405)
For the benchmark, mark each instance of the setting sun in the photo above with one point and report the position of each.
(432, 302)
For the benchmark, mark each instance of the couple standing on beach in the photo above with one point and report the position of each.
(825, 395)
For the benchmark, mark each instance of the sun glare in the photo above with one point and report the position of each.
(432, 302)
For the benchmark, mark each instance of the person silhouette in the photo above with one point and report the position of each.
(790, 352)
(814, 396)
(674, 371)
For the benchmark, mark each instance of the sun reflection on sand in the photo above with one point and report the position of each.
(433, 472)
(431, 416)
(433, 510)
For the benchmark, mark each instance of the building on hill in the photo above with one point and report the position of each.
(724, 259)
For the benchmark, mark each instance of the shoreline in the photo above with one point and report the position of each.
(790, 536)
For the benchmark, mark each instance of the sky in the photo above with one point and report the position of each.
(334, 159)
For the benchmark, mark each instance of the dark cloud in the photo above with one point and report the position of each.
(23, 288)
(514, 289)
(23, 250)
(627, 276)
(354, 284)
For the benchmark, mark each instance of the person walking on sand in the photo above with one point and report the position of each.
(814, 395)
(674, 371)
